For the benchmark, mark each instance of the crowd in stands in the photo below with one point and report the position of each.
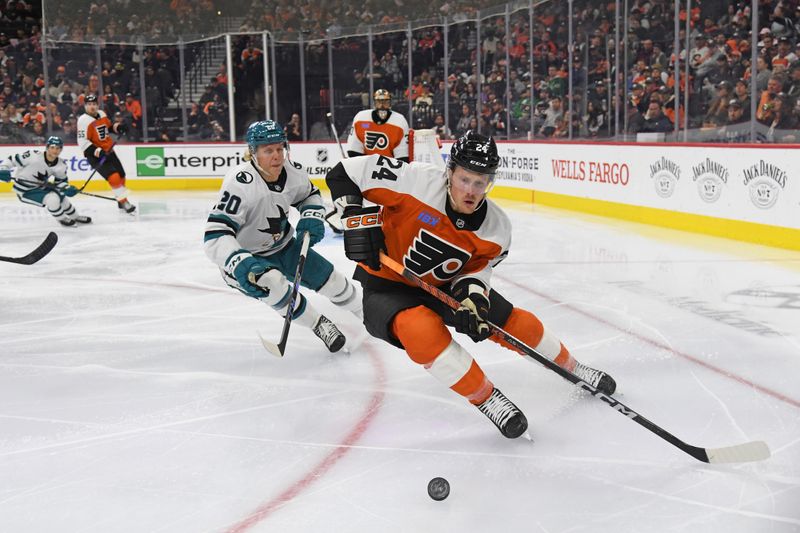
(536, 105)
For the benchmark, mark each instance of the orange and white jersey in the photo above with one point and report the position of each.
(421, 229)
(368, 137)
(94, 131)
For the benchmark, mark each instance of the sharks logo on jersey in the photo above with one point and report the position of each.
(276, 226)
(430, 254)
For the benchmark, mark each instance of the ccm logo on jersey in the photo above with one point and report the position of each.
(431, 255)
(363, 221)
(375, 140)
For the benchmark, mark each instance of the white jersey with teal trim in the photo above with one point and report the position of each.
(33, 170)
(252, 214)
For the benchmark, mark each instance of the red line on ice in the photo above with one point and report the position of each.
(267, 508)
(704, 364)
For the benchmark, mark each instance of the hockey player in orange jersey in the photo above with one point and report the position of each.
(379, 130)
(94, 139)
(442, 227)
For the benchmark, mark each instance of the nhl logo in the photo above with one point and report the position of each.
(322, 155)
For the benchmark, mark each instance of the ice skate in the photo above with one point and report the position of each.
(504, 414)
(596, 378)
(329, 334)
(126, 206)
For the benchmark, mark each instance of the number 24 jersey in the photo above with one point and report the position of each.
(421, 230)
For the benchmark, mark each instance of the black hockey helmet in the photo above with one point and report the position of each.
(90, 98)
(474, 152)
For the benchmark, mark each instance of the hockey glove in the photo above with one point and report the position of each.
(311, 220)
(472, 316)
(68, 190)
(5, 175)
(363, 235)
(240, 265)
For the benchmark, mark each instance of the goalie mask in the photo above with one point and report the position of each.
(383, 105)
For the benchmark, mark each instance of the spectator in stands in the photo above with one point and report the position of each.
(717, 113)
(69, 133)
(783, 120)
(553, 116)
(34, 114)
(294, 128)
(741, 92)
(134, 109)
(654, 120)
(440, 128)
(464, 120)
(766, 105)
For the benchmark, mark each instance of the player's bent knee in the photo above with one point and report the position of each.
(422, 333)
(52, 201)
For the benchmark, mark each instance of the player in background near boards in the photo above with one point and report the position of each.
(248, 232)
(33, 185)
(379, 130)
(441, 226)
(94, 140)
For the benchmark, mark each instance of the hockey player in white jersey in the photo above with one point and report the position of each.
(40, 179)
(248, 232)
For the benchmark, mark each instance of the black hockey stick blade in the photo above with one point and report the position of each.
(41, 251)
(740, 453)
(279, 349)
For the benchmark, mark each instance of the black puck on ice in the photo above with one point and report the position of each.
(438, 488)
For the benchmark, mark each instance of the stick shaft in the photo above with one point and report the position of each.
(751, 451)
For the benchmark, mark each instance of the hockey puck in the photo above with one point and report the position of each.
(438, 488)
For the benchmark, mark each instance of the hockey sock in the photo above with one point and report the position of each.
(117, 183)
(57, 206)
(429, 343)
(342, 292)
(526, 327)
(279, 292)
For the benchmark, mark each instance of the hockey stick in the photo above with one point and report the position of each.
(278, 349)
(740, 453)
(40, 251)
(336, 135)
(97, 196)
(333, 218)
(100, 164)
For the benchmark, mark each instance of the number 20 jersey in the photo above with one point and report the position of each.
(422, 231)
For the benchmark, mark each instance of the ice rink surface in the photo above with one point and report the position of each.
(136, 397)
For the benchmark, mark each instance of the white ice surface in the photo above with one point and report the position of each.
(135, 395)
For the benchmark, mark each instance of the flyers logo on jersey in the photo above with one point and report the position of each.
(375, 140)
(431, 255)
